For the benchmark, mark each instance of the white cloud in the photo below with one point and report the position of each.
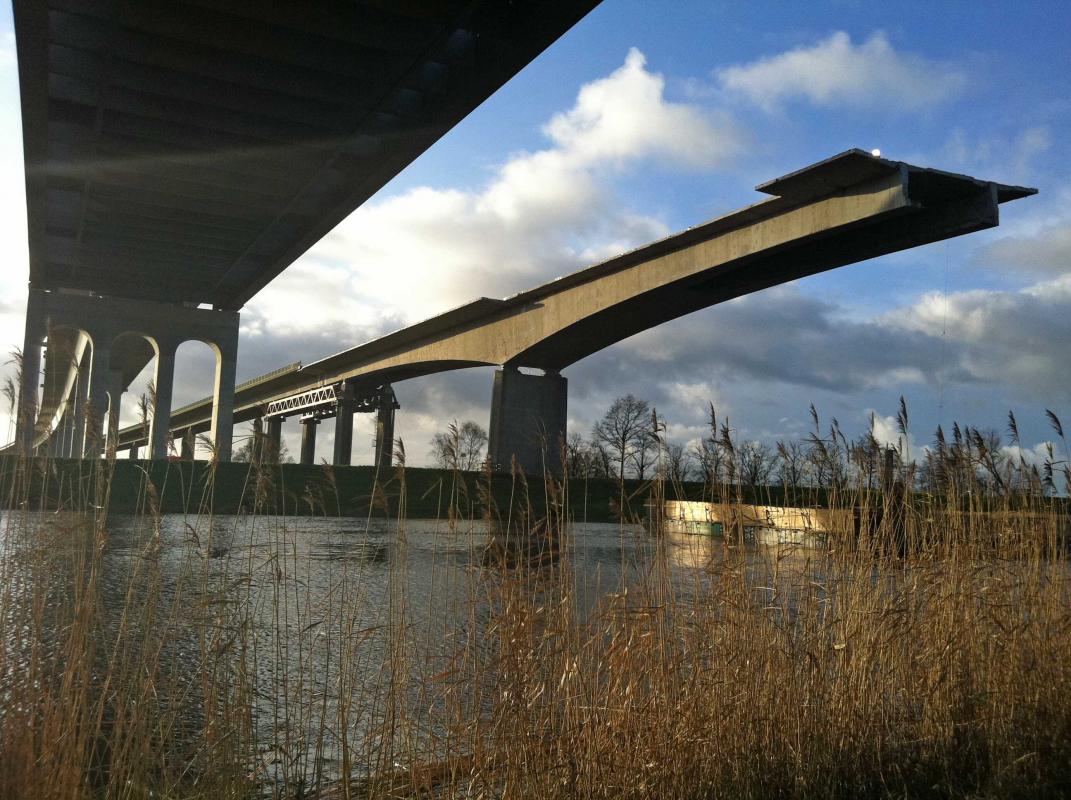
(836, 72)
(542, 214)
(1003, 157)
(886, 432)
(1044, 252)
(1035, 456)
(625, 116)
(1017, 339)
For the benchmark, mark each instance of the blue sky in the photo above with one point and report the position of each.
(647, 118)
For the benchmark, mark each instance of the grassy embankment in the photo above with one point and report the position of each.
(926, 654)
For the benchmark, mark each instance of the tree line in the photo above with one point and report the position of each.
(629, 441)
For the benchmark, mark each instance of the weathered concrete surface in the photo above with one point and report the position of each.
(849, 208)
(190, 152)
(528, 421)
(102, 343)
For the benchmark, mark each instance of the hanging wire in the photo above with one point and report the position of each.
(944, 343)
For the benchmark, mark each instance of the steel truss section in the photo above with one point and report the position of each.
(323, 402)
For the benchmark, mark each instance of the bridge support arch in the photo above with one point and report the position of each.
(125, 335)
(528, 420)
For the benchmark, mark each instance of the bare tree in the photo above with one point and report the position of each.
(622, 429)
(577, 456)
(248, 447)
(601, 464)
(647, 444)
(459, 447)
(586, 459)
(678, 463)
(756, 463)
(709, 461)
(791, 464)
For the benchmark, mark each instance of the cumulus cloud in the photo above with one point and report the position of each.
(1013, 338)
(625, 116)
(836, 72)
(761, 356)
(1044, 252)
(540, 215)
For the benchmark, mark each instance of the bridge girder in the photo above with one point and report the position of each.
(849, 208)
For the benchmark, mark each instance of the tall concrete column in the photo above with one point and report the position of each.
(344, 427)
(187, 444)
(528, 420)
(385, 428)
(80, 402)
(115, 404)
(164, 380)
(308, 439)
(65, 429)
(223, 397)
(33, 337)
(96, 406)
(274, 443)
(256, 446)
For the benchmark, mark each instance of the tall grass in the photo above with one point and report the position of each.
(923, 650)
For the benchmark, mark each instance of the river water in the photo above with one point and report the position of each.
(325, 614)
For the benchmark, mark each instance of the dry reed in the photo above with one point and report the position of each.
(924, 650)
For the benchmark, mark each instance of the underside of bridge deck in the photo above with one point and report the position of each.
(185, 153)
(190, 151)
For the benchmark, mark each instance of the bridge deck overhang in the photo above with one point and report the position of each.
(189, 152)
(846, 209)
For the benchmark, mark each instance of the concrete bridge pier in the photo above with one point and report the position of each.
(187, 441)
(528, 420)
(273, 443)
(344, 426)
(164, 381)
(78, 408)
(33, 339)
(226, 348)
(123, 335)
(257, 443)
(96, 410)
(308, 439)
(385, 408)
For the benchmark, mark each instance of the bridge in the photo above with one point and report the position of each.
(849, 208)
(181, 155)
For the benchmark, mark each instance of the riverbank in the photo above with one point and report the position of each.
(197, 487)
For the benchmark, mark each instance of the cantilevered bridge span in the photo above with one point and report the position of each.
(849, 208)
(180, 154)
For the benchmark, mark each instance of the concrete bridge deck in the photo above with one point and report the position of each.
(848, 208)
